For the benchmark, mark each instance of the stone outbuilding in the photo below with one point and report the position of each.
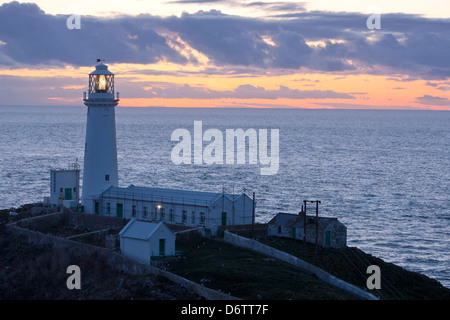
(144, 241)
(332, 233)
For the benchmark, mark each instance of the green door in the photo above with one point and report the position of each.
(224, 218)
(68, 194)
(327, 238)
(96, 208)
(293, 233)
(119, 209)
(162, 247)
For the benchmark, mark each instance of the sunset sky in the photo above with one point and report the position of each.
(222, 53)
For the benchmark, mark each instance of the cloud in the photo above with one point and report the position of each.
(247, 91)
(410, 46)
(340, 105)
(40, 89)
(433, 100)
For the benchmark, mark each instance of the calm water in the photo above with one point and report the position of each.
(385, 174)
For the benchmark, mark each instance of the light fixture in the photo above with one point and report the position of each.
(102, 83)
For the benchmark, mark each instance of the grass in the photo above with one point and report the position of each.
(350, 264)
(247, 275)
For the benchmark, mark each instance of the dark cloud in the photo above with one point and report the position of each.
(246, 91)
(409, 45)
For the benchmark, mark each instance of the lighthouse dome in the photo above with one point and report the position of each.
(101, 69)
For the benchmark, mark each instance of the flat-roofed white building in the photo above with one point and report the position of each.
(65, 186)
(191, 208)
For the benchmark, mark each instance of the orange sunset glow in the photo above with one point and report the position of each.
(249, 61)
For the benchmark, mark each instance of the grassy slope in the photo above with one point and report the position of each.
(350, 264)
(246, 274)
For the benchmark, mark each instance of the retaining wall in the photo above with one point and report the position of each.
(305, 266)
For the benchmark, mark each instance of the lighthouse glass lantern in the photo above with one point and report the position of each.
(101, 80)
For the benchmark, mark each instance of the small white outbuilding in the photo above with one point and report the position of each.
(142, 240)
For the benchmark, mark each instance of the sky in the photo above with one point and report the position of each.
(348, 54)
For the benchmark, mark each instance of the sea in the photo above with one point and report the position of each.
(385, 174)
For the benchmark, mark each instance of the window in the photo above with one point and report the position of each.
(145, 212)
(60, 189)
(184, 216)
(108, 208)
(193, 216)
(74, 189)
(202, 218)
(279, 229)
(171, 215)
(133, 211)
(106, 177)
(163, 213)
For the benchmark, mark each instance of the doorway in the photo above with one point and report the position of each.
(162, 247)
(119, 209)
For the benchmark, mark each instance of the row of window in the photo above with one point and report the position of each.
(162, 214)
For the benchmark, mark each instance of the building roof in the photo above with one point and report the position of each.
(187, 197)
(297, 220)
(284, 219)
(138, 229)
(101, 69)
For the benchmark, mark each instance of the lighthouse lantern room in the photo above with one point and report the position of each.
(100, 152)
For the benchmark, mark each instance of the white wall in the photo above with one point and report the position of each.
(143, 250)
(136, 249)
(100, 155)
(162, 233)
(61, 180)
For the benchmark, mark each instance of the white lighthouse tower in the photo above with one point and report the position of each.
(100, 151)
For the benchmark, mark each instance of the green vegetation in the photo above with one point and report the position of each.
(245, 274)
(350, 264)
(248, 275)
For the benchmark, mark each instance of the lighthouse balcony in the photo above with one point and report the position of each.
(101, 97)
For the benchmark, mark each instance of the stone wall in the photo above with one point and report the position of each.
(93, 221)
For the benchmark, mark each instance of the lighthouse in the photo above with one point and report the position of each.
(100, 150)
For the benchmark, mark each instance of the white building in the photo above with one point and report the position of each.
(65, 186)
(100, 153)
(142, 241)
(190, 208)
